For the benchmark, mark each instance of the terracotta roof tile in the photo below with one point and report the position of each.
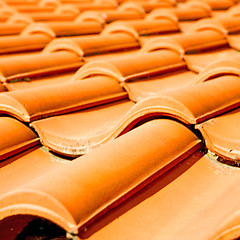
(11, 28)
(107, 162)
(16, 137)
(157, 85)
(192, 10)
(57, 134)
(191, 201)
(149, 83)
(14, 70)
(50, 102)
(156, 26)
(113, 39)
(29, 40)
(134, 66)
(39, 81)
(108, 16)
(185, 106)
(75, 28)
(221, 137)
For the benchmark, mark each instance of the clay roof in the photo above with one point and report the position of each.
(119, 119)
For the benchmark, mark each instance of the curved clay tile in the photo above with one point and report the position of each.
(37, 28)
(163, 24)
(134, 66)
(218, 68)
(110, 177)
(230, 23)
(220, 5)
(45, 17)
(7, 12)
(233, 11)
(91, 16)
(160, 43)
(11, 28)
(20, 18)
(26, 166)
(132, 6)
(32, 8)
(66, 9)
(63, 44)
(203, 40)
(195, 104)
(23, 43)
(191, 105)
(22, 69)
(75, 28)
(92, 125)
(188, 43)
(114, 15)
(198, 191)
(193, 10)
(94, 6)
(33, 37)
(52, 3)
(150, 5)
(37, 103)
(221, 135)
(15, 137)
(154, 86)
(126, 11)
(112, 39)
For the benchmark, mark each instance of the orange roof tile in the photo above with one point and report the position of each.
(147, 91)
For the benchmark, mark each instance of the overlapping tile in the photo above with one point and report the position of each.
(198, 199)
(32, 38)
(60, 98)
(182, 105)
(15, 137)
(105, 163)
(221, 137)
(139, 76)
(134, 66)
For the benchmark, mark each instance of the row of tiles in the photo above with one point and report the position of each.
(39, 188)
(181, 55)
(42, 177)
(199, 99)
(116, 37)
(37, 36)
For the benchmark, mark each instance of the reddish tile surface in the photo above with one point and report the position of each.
(119, 119)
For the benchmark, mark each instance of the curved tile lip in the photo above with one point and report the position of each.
(163, 43)
(63, 219)
(215, 148)
(153, 107)
(168, 105)
(105, 68)
(16, 109)
(216, 69)
(226, 146)
(65, 44)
